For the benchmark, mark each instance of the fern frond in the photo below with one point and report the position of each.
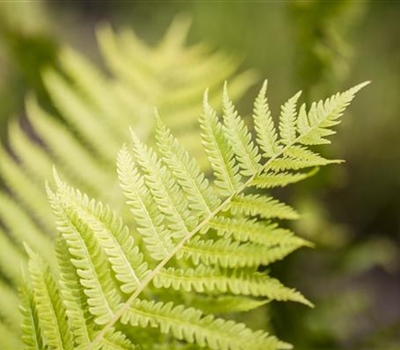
(239, 138)
(280, 179)
(287, 120)
(111, 233)
(165, 190)
(266, 207)
(219, 151)
(315, 125)
(89, 260)
(264, 125)
(205, 280)
(244, 230)
(149, 220)
(231, 254)
(79, 318)
(189, 176)
(192, 326)
(50, 309)
(30, 327)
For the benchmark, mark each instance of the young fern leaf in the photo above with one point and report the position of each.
(51, 312)
(316, 125)
(207, 280)
(264, 125)
(148, 218)
(239, 138)
(88, 258)
(194, 327)
(287, 120)
(280, 179)
(187, 172)
(219, 151)
(266, 207)
(31, 332)
(165, 190)
(249, 230)
(113, 236)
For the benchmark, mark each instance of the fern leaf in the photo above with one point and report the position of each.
(231, 254)
(267, 137)
(280, 179)
(51, 312)
(219, 152)
(88, 259)
(246, 153)
(149, 220)
(298, 157)
(249, 230)
(31, 331)
(192, 326)
(287, 120)
(189, 176)
(112, 234)
(252, 204)
(205, 280)
(81, 321)
(165, 190)
(316, 125)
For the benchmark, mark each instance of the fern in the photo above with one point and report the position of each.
(81, 136)
(191, 239)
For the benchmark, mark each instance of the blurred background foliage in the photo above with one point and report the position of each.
(351, 212)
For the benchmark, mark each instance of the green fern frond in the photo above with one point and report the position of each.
(287, 120)
(165, 191)
(280, 179)
(239, 138)
(316, 125)
(251, 230)
(207, 280)
(219, 151)
(194, 327)
(266, 207)
(264, 125)
(148, 219)
(50, 308)
(31, 331)
(88, 258)
(188, 174)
